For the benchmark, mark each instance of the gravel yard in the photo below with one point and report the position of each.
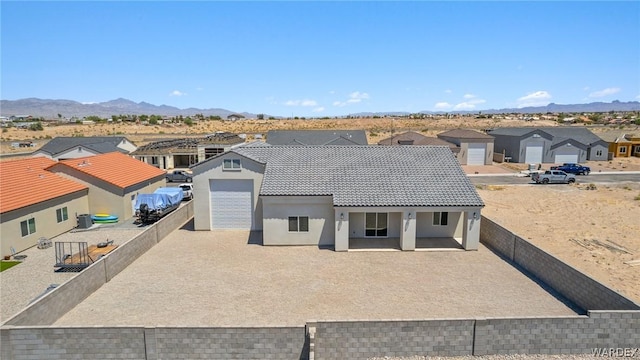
(22, 283)
(218, 279)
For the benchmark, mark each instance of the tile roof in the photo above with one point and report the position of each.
(100, 144)
(25, 182)
(317, 137)
(418, 139)
(465, 134)
(580, 134)
(115, 168)
(366, 175)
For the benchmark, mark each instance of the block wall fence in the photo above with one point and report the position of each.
(610, 321)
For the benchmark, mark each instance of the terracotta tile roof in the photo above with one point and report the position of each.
(115, 168)
(25, 182)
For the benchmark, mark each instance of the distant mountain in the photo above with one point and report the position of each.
(557, 108)
(68, 108)
(50, 109)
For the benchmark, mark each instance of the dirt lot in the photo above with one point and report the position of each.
(596, 231)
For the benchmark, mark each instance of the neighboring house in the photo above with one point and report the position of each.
(406, 197)
(317, 137)
(114, 181)
(414, 138)
(621, 144)
(476, 148)
(36, 203)
(549, 144)
(235, 117)
(61, 148)
(182, 153)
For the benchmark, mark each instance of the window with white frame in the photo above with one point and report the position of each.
(598, 152)
(440, 218)
(623, 149)
(298, 223)
(62, 215)
(28, 227)
(231, 164)
(376, 224)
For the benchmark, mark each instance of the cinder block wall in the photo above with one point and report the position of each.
(366, 339)
(229, 343)
(577, 287)
(84, 343)
(571, 335)
(72, 343)
(65, 297)
(581, 289)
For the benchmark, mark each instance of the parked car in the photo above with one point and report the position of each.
(572, 168)
(187, 190)
(553, 176)
(179, 175)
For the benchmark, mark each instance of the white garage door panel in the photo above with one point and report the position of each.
(566, 158)
(476, 154)
(533, 154)
(231, 204)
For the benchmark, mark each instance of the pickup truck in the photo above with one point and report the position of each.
(553, 176)
(572, 168)
(179, 175)
(187, 190)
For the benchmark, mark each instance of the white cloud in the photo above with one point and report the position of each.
(177, 93)
(354, 98)
(465, 106)
(199, 88)
(448, 91)
(604, 92)
(538, 98)
(89, 102)
(305, 102)
(586, 88)
(638, 97)
(469, 96)
(442, 106)
(332, 92)
(318, 109)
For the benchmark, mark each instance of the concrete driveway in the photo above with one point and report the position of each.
(220, 278)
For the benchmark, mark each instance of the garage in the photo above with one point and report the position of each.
(476, 153)
(566, 154)
(533, 153)
(231, 204)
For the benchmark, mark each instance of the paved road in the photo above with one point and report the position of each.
(592, 178)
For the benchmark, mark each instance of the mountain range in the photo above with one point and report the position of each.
(50, 109)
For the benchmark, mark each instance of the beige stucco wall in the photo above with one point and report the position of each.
(45, 217)
(425, 227)
(212, 170)
(74, 153)
(276, 212)
(105, 198)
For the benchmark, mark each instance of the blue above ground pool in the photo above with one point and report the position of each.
(104, 218)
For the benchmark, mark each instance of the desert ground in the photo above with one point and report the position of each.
(596, 231)
(140, 134)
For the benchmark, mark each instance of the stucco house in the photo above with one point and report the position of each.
(476, 148)
(405, 197)
(36, 203)
(61, 148)
(184, 152)
(622, 144)
(556, 145)
(316, 137)
(114, 181)
(414, 138)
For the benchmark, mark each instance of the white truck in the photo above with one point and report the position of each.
(187, 190)
(553, 176)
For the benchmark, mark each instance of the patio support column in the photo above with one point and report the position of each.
(471, 231)
(408, 231)
(342, 230)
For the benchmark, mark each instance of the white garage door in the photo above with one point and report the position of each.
(533, 153)
(231, 204)
(566, 156)
(476, 153)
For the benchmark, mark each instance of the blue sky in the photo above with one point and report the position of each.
(323, 58)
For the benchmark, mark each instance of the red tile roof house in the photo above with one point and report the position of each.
(114, 181)
(36, 203)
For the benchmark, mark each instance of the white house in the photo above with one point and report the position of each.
(339, 196)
